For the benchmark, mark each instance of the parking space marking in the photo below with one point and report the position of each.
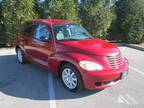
(131, 99)
(127, 99)
(51, 92)
(122, 99)
(136, 70)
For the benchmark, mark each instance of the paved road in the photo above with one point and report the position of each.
(28, 86)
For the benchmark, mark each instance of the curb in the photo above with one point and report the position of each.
(118, 44)
(129, 45)
(135, 47)
(7, 48)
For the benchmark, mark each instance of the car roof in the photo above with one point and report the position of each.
(52, 22)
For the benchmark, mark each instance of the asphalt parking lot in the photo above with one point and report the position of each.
(28, 86)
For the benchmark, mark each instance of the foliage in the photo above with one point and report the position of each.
(14, 13)
(130, 21)
(43, 8)
(124, 22)
(60, 9)
(2, 38)
(96, 17)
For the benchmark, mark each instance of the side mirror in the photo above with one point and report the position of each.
(45, 38)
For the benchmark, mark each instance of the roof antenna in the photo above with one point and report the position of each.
(54, 39)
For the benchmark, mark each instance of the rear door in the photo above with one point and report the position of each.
(28, 32)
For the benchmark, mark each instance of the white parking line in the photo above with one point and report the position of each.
(51, 91)
(127, 99)
(122, 99)
(136, 70)
(132, 99)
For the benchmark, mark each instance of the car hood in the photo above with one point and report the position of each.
(88, 46)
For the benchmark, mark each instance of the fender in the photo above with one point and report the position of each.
(70, 57)
(56, 60)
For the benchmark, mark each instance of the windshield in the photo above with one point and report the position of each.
(70, 32)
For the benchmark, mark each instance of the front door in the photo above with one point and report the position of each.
(42, 45)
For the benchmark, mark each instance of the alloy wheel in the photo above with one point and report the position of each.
(69, 78)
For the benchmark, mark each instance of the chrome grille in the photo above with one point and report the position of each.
(115, 61)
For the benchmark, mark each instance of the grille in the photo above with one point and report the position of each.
(115, 61)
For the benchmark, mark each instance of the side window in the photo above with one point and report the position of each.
(42, 33)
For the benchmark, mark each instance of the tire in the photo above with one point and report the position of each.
(20, 56)
(71, 78)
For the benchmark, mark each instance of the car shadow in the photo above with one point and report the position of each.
(30, 81)
(63, 93)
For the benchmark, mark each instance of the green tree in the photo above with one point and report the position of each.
(60, 9)
(130, 21)
(43, 8)
(96, 17)
(14, 13)
(2, 29)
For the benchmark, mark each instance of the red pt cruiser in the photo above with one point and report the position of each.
(68, 50)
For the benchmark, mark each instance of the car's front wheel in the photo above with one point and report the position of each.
(20, 56)
(71, 78)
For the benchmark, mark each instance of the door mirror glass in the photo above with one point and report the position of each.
(44, 38)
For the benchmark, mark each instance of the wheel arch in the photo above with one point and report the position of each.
(63, 62)
(78, 72)
(16, 47)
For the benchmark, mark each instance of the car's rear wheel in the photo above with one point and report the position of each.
(20, 56)
(71, 78)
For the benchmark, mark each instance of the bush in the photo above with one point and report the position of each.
(130, 21)
(14, 13)
(96, 17)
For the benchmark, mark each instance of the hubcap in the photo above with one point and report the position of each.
(69, 78)
(19, 55)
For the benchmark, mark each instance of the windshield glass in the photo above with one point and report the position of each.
(70, 32)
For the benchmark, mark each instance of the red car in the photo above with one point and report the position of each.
(69, 51)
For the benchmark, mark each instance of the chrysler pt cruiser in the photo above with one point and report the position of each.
(66, 49)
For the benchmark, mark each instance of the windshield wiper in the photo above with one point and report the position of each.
(69, 39)
(89, 38)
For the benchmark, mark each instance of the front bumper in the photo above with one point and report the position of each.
(105, 78)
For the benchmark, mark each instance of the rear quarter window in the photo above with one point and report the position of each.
(27, 28)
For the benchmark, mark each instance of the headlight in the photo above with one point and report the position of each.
(90, 66)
